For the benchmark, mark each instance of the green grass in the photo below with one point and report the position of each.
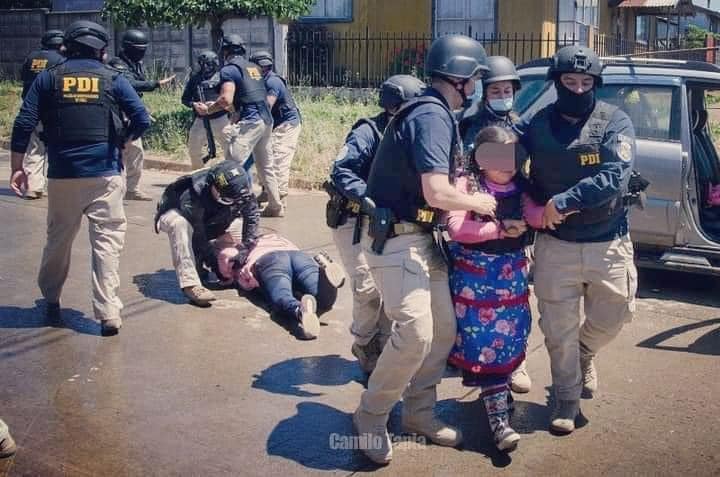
(326, 122)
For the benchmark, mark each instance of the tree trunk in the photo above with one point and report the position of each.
(216, 33)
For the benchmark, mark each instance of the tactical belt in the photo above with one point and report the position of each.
(399, 228)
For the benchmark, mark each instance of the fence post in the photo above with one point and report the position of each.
(710, 53)
(367, 56)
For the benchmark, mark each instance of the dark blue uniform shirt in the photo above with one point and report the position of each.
(351, 168)
(277, 87)
(72, 160)
(617, 151)
(250, 112)
(424, 141)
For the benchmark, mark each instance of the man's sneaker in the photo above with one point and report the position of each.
(273, 212)
(110, 327)
(589, 376)
(32, 195)
(53, 314)
(506, 439)
(367, 355)
(199, 295)
(262, 197)
(137, 195)
(309, 321)
(7, 446)
(433, 428)
(334, 272)
(563, 417)
(374, 438)
(520, 381)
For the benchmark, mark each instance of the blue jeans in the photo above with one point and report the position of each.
(286, 275)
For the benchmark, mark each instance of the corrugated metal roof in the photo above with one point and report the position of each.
(652, 3)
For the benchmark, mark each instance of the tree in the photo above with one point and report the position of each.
(180, 13)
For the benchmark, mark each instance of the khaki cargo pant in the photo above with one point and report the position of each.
(133, 157)
(180, 233)
(413, 283)
(368, 316)
(34, 162)
(100, 199)
(603, 274)
(197, 138)
(284, 141)
(245, 138)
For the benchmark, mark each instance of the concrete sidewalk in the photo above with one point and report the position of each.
(229, 391)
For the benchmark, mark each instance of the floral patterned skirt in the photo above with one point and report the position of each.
(490, 294)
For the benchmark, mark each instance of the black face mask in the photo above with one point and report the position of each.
(573, 104)
(135, 54)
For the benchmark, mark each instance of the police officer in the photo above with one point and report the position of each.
(499, 88)
(286, 127)
(242, 87)
(130, 63)
(202, 213)
(80, 103)
(370, 327)
(407, 186)
(36, 62)
(208, 78)
(582, 155)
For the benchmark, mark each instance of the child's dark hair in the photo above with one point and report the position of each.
(470, 169)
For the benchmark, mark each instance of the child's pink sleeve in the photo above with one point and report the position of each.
(462, 228)
(532, 212)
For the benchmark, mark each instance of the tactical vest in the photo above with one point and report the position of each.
(556, 167)
(210, 87)
(285, 105)
(471, 126)
(252, 88)
(82, 108)
(373, 126)
(509, 207)
(37, 62)
(391, 153)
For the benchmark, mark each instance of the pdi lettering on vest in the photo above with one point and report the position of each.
(81, 85)
(254, 73)
(592, 159)
(38, 65)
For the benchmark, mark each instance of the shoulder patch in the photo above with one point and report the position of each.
(625, 145)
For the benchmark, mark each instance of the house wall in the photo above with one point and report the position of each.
(396, 16)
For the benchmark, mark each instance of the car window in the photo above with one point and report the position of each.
(654, 110)
(532, 88)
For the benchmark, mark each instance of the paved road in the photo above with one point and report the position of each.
(185, 391)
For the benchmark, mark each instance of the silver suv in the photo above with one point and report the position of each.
(668, 102)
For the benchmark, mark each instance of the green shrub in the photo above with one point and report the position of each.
(326, 122)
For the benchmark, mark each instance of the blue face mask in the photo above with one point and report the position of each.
(501, 105)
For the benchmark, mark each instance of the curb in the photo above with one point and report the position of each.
(165, 165)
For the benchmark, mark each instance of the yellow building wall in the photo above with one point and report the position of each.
(380, 16)
(536, 19)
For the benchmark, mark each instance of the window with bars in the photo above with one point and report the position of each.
(474, 18)
(575, 17)
(642, 29)
(330, 10)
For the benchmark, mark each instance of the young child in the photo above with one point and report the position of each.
(296, 284)
(488, 278)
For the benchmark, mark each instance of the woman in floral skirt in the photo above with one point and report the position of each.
(488, 279)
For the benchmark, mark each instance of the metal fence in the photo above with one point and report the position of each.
(361, 59)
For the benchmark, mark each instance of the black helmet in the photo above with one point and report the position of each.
(262, 58)
(576, 59)
(399, 88)
(456, 56)
(208, 60)
(233, 43)
(86, 33)
(134, 39)
(52, 39)
(501, 69)
(230, 180)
